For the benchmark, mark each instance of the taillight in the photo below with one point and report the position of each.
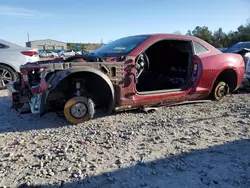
(29, 53)
(195, 69)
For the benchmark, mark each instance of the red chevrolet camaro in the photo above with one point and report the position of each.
(131, 72)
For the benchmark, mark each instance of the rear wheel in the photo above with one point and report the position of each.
(220, 90)
(79, 109)
(6, 75)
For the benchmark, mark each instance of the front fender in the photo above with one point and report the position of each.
(60, 76)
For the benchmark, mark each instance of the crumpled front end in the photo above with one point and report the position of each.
(30, 88)
(14, 95)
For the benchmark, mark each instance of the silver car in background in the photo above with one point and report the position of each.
(246, 81)
(247, 73)
(12, 56)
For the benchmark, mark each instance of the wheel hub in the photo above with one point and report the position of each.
(5, 77)
(78, 110)
(221, 91)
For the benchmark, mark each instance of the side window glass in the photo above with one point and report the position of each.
(199, 49)
(2, 46)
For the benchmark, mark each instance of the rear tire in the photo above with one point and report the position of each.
(79, 109)
(220, 90)
(6, 74)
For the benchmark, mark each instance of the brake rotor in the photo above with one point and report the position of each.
(76, 110)
(221, 90)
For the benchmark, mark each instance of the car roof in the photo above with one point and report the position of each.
(162, 36)
(168, 35)
(178, 36)
(10, 44)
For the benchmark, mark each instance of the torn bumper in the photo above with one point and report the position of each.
(13, 94)
(36, 101)
(37, 104)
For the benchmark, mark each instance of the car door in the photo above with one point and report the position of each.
(163, 97)
(172, 96)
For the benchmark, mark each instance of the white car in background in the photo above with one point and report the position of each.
(68, 53)
(12, 56)
(51, 54)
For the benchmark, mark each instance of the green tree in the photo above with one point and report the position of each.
(189, 33)
(203, 33)
(87, 46)
(219, 38)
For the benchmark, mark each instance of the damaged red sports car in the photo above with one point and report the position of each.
(132, 72)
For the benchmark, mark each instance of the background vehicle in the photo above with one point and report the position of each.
(60, 52)
(11, 57)
(41, 53)
(242, 48)
(131, 72)
(236, 47)
(247, 74)
(68, 53)
(222, 49)
(51, 54)
(48, 54)
(246, 82)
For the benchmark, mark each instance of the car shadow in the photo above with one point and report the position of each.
(220, 166)
(241, 92)
(14, 121)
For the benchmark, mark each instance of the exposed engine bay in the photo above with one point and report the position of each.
(44, 81)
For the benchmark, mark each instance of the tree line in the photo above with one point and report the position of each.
(87, 46)
(219, 38)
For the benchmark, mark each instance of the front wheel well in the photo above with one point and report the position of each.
(92, 86)
(229, 76)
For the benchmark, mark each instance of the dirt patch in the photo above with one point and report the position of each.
(197, 145)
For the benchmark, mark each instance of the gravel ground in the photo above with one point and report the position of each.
(196, 146)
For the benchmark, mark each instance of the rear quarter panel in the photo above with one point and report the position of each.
(214, 64)
(14, 58)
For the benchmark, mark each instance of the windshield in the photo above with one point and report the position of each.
(122, 46)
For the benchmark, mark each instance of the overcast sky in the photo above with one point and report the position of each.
(96, 20)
